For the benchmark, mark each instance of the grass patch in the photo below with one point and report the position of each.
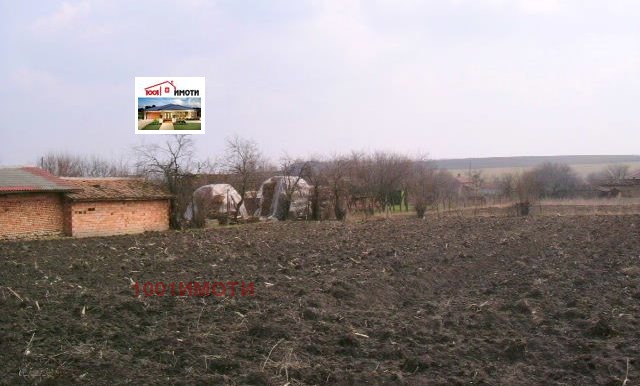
(152, 126)
(187, 126)
(400, 208)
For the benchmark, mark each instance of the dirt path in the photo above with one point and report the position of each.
(166, 126)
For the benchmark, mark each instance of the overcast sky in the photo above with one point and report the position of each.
(453, 78)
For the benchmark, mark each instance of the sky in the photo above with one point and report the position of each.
(450, 78)
(187, 102)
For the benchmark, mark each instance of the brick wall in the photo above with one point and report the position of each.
(105, 218)
(30, 214)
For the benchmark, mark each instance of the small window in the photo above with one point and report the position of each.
(91, 209)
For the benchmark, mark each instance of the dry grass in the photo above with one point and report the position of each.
(593, 201)
(555, 207)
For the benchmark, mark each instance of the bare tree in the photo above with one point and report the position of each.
(551, 180)
(205, 166)
(385, 174)
(446, 188)
(169, 162)
(292, 171)
(244, 159)
(422, 185)
(68, 165)
(476, 179)
(527, 187)
(507, 184)
(61, 164)
(339, 173)
(315, 173)
(379, 178)
(611, 173)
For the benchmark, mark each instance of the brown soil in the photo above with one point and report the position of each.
(541, 300)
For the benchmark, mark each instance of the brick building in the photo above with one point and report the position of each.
(35, 203)
(112, 206)
(31, 202)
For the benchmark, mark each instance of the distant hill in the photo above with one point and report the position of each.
(527, 162)
(491, 167)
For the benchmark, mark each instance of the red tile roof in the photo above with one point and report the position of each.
(116, 188)
(31, 179)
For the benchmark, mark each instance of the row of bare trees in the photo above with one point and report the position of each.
(553, 180)
(549, 180)
(375, 181)
(341, 180)
(355, 181)
(610, 174)
(68, 165)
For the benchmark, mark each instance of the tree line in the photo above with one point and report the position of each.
(370, 182)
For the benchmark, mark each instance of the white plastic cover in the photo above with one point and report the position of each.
(299, 199)
(214, 193)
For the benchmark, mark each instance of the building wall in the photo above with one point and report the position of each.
(30, 214)
(106, 218)
(630, 191)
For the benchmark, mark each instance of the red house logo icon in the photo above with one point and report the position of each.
(160, 88)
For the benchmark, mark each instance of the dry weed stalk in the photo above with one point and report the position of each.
(27, 351)
(268, 356)
(626, 376)
(15, 293)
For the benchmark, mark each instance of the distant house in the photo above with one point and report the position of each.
(36, 203)
(627, 187)
(171, 112)
(468, 189)
(490, 189)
